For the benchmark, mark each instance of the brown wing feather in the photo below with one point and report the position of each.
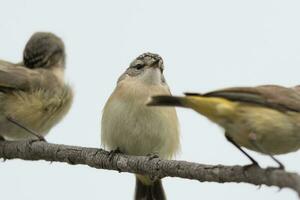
(273, 96)
(17, 77)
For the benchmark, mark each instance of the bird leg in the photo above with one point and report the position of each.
(253, 139)
(254, 162)
(12, 120)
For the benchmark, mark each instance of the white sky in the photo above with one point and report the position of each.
(205, 45)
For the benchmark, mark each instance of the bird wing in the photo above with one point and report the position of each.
(273, 96)
(14, 77)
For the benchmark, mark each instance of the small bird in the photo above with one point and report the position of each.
(33, 94)
(265, 119)
(135, 129)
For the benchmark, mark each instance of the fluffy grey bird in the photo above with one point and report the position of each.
(33, 94)
(135, 129)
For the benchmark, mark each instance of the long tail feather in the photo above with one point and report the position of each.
(149, 192)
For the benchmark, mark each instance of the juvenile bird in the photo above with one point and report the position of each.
(135, 129)
(265, 119)
(33, 94)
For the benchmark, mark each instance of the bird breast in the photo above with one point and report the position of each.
(136, 129)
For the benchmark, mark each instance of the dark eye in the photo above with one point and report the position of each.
(139, 66)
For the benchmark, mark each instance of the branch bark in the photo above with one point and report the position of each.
(101, 159)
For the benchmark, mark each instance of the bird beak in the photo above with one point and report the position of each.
(157, 64)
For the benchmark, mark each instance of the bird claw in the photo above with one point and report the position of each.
(281, 167)
(246, 167)
(152, 156)
(112, 153)
(39, 139)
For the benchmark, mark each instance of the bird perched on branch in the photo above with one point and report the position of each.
(265, 119)
(33, 94)
(135, 129)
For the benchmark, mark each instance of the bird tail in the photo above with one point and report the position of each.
(215, 108)
(165, 100)
(153, 191)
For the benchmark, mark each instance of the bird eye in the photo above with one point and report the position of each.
(139, 66)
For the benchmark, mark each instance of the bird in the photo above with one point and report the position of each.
(34, 96)
(265, 118)
(133, 128)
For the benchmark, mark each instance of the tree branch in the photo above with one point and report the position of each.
(155, 167)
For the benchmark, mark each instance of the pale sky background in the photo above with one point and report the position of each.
(205, 45)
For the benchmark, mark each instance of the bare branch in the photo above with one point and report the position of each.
(155, 167)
